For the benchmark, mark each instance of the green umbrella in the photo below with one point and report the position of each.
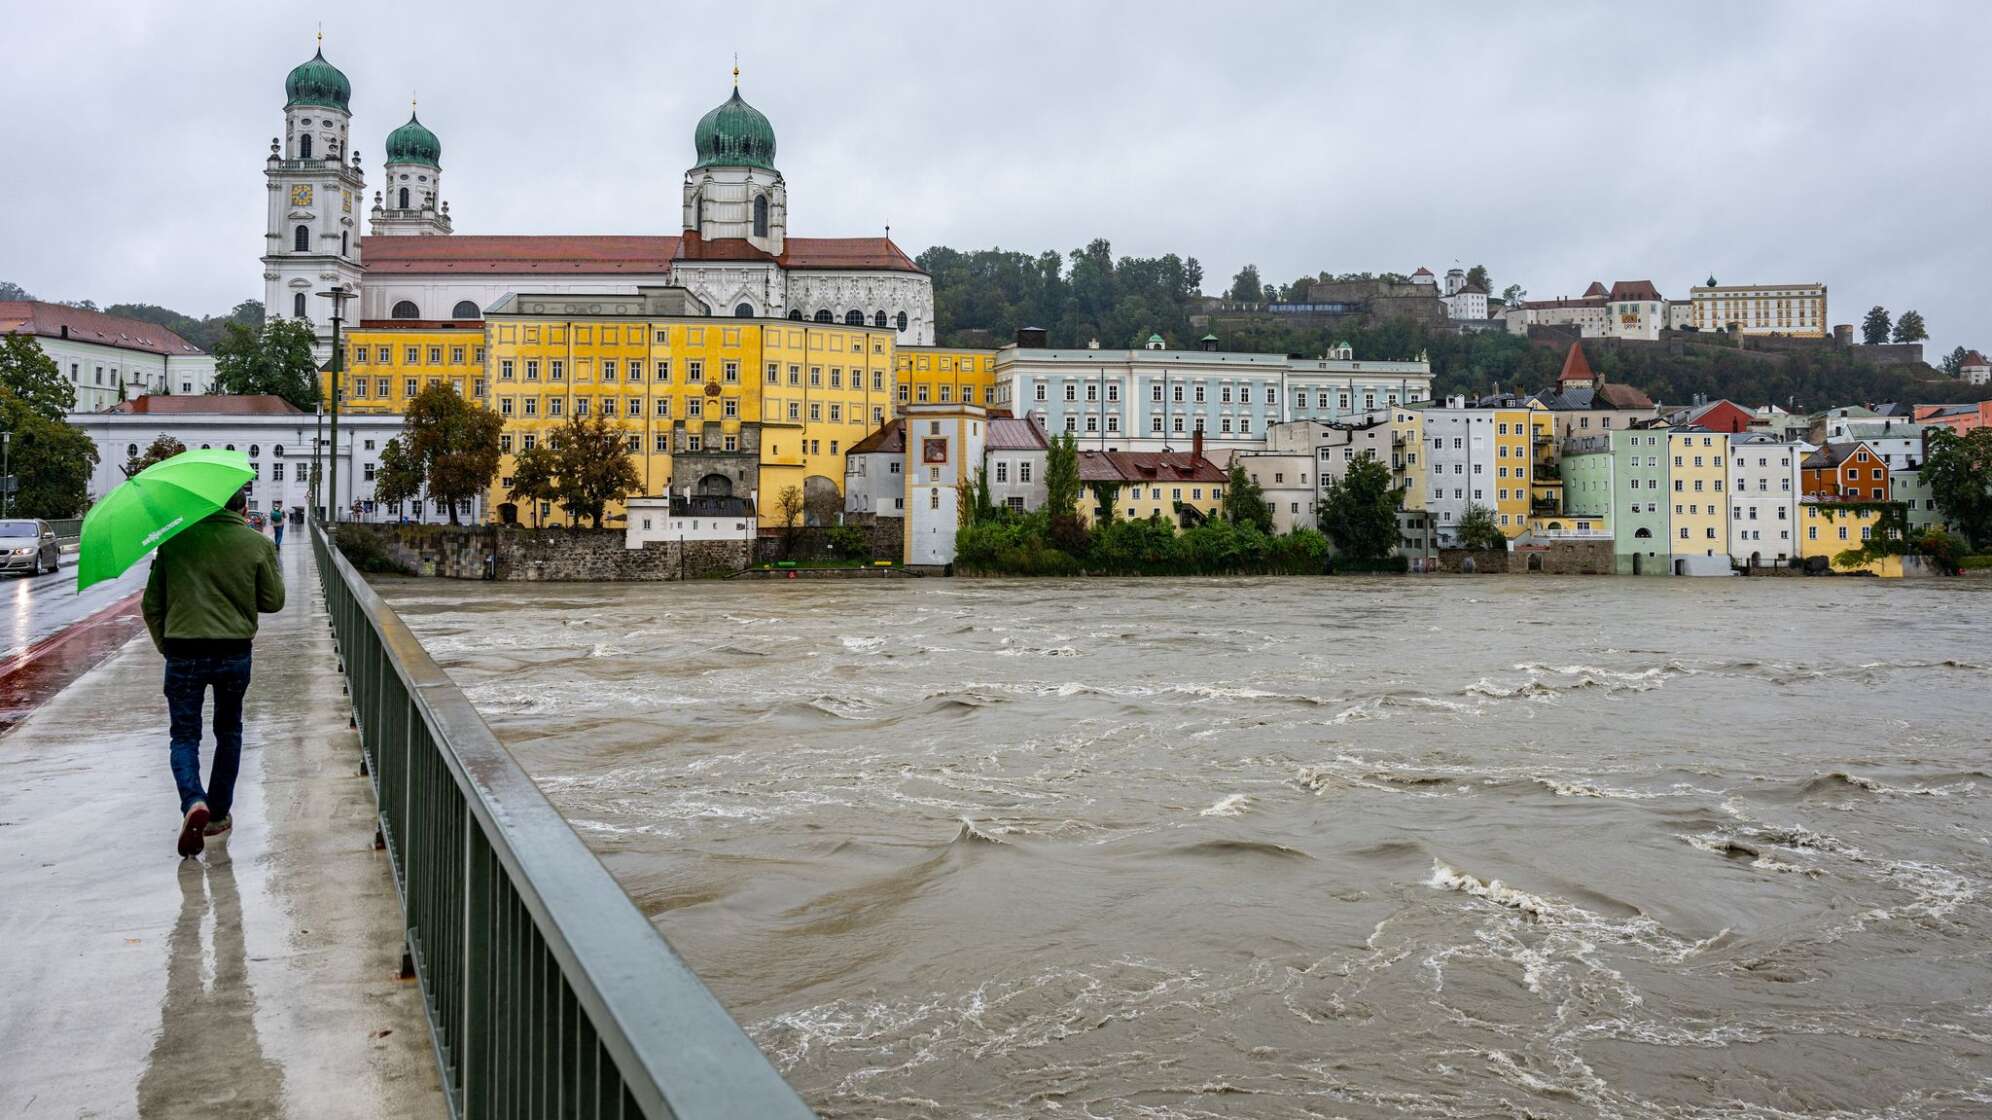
(152, 506)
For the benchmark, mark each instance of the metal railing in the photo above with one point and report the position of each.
(549, 994)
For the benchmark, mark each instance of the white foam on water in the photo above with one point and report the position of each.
(1231, 806)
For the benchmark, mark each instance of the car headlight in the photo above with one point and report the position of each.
(22, 551)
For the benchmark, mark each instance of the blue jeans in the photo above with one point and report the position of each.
(187, 682)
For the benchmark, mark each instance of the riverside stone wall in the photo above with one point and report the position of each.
(553, 555)
(1562, 558)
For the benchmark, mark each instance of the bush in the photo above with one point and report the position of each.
(848, 543)
(363, 550)
(1976, 563)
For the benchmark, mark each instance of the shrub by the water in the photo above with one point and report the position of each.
(1031, 544)
(363, 550)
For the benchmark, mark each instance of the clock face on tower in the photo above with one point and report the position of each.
(301, 194)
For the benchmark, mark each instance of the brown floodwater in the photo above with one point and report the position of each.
(1439, 847)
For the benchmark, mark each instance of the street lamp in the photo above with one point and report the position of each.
(338, 295)
(6, 473)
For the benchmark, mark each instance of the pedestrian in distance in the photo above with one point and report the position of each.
(207, 586)
(277, 529)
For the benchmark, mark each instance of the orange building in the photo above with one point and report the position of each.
(1847, 472)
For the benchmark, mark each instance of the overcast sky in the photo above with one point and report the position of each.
(1556, 143)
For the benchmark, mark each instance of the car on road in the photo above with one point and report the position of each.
(28, 546)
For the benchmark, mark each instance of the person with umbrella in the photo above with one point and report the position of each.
(212, 577)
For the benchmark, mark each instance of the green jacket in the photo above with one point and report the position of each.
(211, 580)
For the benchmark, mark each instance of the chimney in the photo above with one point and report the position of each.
(1030, 338)
(1196, 445)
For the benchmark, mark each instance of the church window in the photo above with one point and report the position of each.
(297, 306)
(465, 309)
(301, 239)
(743, 311)
(796, 315)
(760, 215)
(405, 309)
(304, 146)
(878, 320)
(854, 318)
(823, 315)
(343, 242)
(403, 194)
(902, 320)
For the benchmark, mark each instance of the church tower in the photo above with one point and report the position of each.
(734, 191)
(412, 206)
(312, 239)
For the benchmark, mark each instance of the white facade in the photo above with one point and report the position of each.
(1155, 400)
(1975, 370)
(875, 482)
(656, 520)
(1463, 300)
(1289, 483)
(942, 443)
(1763, 498)
(1899, 443)
(1788, 309)
(104, 375)
(312, 231)
(1459, 451)
(279, 446)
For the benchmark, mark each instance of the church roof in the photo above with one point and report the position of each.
(317, 82)
(56, 320)
(1575, 368)
(414, 143)
(735, 134)
(612, 254)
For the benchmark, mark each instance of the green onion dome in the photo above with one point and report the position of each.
(735, 135)
(414, 143)
(317, 82)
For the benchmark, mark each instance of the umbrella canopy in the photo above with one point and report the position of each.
(152, 506)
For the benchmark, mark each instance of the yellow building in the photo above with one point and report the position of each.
(792, 393)
(1151, 483)
(1826, 529)
(1408, 472)
(1700, 525)
(388, 362)
(1514, 474)
(946, 375)
(1798, 310)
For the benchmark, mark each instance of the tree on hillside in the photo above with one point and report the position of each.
(1874, 327)
(593, 465)
(1246, 287)
(1954, 362)
(453, 445)
(33, 376)
(1360, 512)
(398, 477)
(12, 291)
(1910, 328)
(534, 479)
(1192, 277)
(1478, 531)
(1477, 275)
(51, 461)
(276, 360)
(1513, 294)
(1959, 474)
(1245, 502)
(162, 448)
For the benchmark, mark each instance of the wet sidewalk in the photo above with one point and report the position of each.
(260, 981)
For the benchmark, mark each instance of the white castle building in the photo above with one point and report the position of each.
(734, 252)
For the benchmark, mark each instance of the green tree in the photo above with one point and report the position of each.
(1192, 277)
(51, 461)
(1245, 502)
(1360, 512)
(1061, 477)
(34, 377)
(1874, 327)
(985, 506)
(1246, 287)
(788, 509)
(453, 445)
(162, 448)
(1910, 328)
(1477, 276)
(1959, 474)
(1478, 531)
(594, 467)
(398, 477)
(276, 360)
(12, 291)
(1954, 362)
(534, 479)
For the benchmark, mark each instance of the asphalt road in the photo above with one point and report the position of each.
(34, 607)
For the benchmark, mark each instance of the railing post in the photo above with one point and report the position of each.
(474, 1054)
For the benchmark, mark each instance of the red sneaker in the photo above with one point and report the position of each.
(191, 829)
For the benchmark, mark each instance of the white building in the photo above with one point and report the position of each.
(1463, 300)
(944, 444)
(1459, 456)
(734, 252)
(1975, 369)
(1155, 398)
(1628, 309)
(1014, 456)
(1899, 443)
(1303, 457)
(280, 441)
(109, 358)
(1763, 498)
(689, 517)
(875, 473)
(1798, 310)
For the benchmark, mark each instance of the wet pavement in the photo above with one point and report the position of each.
(260, 981)
(32, 608)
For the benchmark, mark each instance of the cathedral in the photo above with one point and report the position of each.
(733, 251)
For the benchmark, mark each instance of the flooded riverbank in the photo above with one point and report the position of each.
(1285, 848)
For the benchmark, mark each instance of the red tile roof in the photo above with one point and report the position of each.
(573, 255)
(1147, 466)
(55, 320)
(889, 440)
(585, 255)
(218, 404)
(1552, 304)
(1596, 289)
(1623, 290)
(1974, 358)
(1575, 367)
